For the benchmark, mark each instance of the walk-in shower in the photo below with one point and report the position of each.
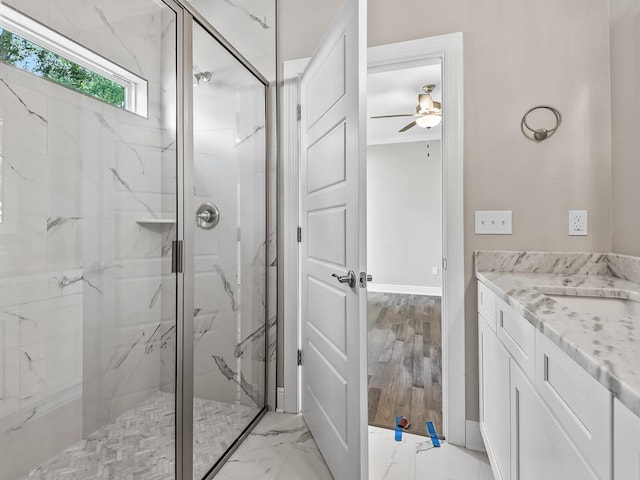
(133, 235)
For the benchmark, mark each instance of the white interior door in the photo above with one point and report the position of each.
(333, 221)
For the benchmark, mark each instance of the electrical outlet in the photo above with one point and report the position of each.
(578, 222)
(434, 271)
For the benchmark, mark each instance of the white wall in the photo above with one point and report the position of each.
(404, 214)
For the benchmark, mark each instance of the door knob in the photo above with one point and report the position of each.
(349, 278)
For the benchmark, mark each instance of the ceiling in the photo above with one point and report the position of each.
(396, 91)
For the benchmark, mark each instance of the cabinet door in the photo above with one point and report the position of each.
(580, 404)
(494, 398)
(626, 448)
(540, 448)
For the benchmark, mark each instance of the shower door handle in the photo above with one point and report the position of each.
(349, 278)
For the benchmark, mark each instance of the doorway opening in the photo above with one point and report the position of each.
(404, 249)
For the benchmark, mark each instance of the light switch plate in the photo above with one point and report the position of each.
(494, 222)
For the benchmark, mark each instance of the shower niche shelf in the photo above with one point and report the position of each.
(155, 221)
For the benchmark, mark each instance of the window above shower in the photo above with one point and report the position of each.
(30, 46)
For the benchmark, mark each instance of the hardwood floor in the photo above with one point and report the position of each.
(404, 364)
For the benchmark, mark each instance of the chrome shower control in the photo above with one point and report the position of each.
(207, 216)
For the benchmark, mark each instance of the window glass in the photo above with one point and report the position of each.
(23, 54)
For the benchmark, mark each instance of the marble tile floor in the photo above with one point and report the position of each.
(415, 457)
(281, 448)
(139, 444)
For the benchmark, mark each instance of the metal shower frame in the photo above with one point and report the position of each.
(186, 16)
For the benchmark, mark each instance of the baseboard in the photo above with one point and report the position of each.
(280, 400)
(474, 437)
(405, 289)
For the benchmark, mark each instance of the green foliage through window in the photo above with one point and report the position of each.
(23, 54)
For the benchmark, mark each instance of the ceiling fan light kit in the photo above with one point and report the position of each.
(429, 120)
(425, 102)
(428, 112)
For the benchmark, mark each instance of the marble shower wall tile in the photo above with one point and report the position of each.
(82, 311)
(252, 168)
(230, 259)
(217, 290)
(249, 25)
(65, 425)
(40, 356)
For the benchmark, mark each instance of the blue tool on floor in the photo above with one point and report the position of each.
(433, 434)
(398, 436)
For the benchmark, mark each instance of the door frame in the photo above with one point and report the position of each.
(447, 49)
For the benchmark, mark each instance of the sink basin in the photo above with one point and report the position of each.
(599, 305)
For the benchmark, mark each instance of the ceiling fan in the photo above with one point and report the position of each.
(428, 112)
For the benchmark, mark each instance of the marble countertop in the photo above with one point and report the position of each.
(606, 346)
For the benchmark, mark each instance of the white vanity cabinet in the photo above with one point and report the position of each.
(494, 398)
(541, 414)
(626, 443)
(578, 401)
(540, 447)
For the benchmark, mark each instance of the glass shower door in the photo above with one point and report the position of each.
(229, 222)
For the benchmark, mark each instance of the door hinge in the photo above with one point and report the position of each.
(299, 112)
(444, 263)
(299, 234)
(176, 256)
(299, 357)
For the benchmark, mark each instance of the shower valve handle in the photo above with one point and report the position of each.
(207, 216)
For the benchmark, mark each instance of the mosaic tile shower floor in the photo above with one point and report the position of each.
(139, 444)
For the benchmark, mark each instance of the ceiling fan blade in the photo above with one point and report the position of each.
(407, 127)
(399, 115)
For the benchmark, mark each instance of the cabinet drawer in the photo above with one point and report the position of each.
(581, 405)
(517, 335)
(487, 304)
